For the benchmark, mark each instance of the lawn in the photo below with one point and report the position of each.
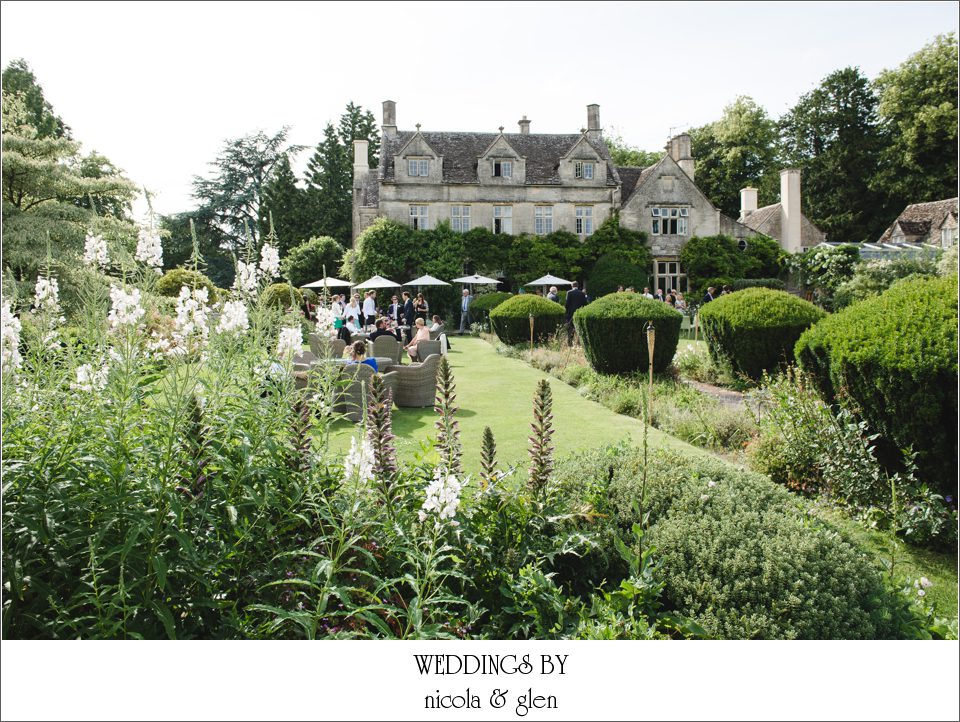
(496, 391)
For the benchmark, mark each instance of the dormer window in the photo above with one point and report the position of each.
(418, 167)
(583, 169)
(502, 169)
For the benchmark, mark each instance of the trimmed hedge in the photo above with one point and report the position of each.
(740, 555)
(775, 283)
(482, 305)
(616, 269)
(895, 358)
(613, 331)
(756, 329)
(277, 295)
(173, 280)
(511, 319)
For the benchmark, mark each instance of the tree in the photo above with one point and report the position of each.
(629, 155)
(737, 151)
(236, 193)
(18, 78)
(288, 204)
(308, 261)
(611, 240)
(330, 172)
(217, 263)
(918, 107)
(833, 135)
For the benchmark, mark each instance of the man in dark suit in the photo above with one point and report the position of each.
(408, 315)
(708, 296)
(575, 299)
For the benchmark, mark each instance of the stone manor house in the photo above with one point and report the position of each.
(537, 183)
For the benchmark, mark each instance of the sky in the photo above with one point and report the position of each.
(159, 87)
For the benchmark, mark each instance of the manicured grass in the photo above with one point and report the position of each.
(496, 391)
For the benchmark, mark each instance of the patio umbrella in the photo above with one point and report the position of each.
(476, 279)
(549, 280)
(328, 282)
(378, 282)
(426, 281)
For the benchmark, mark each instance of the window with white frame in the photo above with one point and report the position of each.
(669, 276)
(542, 220)
(502, 169)
(503, 219)
(948, 236)
(420, 217)
(584, 220)
(418, 167)
(460, 218)
(669, 221)
(583, 169)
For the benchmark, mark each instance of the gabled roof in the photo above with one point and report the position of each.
(761, 217)
(919, 218)
(493, 143)
(460, 152)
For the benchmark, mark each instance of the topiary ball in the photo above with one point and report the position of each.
(278, 295)
(482, 305)
(172, 281)
(755, 329)
(613, 331)
(894, 357)
(511, 319)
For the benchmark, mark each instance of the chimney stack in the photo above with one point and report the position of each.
(524, 126)
(593, 122)
(790, 224)
(748, 201)
(361, 164)
(389, 119)
(680, 149)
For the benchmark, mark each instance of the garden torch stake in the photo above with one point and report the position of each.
(651, 338)
(531, 332)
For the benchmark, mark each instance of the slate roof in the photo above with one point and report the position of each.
(629, 175)
(762, 216)
(920, 218)
(460, 152)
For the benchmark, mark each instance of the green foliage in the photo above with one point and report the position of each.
(776, 284)
(947, 264)
(282, 296)
(172, 281)
(178, 247)
(893, 360)
(18, 79)
(833, 136)
(823, 269)
(532, 256)
(611, 237)
(873, 277)
(288, 206)
(387, 248)
(305, 263)
(736, 151)
(511, 319)
(755, 329)
(918, 107)
(485, 303)
(612, 330)
(624, 154)
(716, 260)
(741, 557)
(613, 270)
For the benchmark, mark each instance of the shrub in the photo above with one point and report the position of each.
(871, 278)
(894, 357)
(483, 305)
(700, 288)
(615, 269)
(740, 556)
(775, 283)
(948, 261)
(755, 329)
(511, 319)
(305, 263)
(824, 268)
(712, 257)
(172, 281)
(278, 295)
(613, 332)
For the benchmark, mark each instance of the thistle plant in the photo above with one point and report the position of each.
(380, 430)
(488, 458)
(196, 437)
(301, 435)
(448, 428)
(541, 446)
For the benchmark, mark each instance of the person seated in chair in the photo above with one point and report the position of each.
(358, 352)
(422, 334)
(441, 336)
(381, 330)
(349, 328)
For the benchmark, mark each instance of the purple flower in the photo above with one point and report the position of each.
(949, 499)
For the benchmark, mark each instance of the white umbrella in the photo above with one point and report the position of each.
(328, 282)
(475, 278)
(549, 280)
(426, 281)
(377, 282)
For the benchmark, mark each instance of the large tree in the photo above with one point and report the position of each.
(833, 135)
(235, 194)
(734, 152)
(918, 106)
(18, 78)
(287, 203)
(178, 245)
(629, 155)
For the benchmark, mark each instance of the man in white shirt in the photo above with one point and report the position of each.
(646, 293)
(370, 308)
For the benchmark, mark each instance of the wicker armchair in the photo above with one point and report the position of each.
(327, 347)
(350, 399)
(426, 349)
(387, 346)
(414, 385)
(303, 361)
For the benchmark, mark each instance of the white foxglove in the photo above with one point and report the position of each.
(290, 342)
(442, 498)
(233, 318)
(269, 262)
(149, 248)
(125, 308)
(10, 344)
(95, 251)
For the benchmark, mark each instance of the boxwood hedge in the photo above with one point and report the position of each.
(894, 356)
(511, 319)
(278, 295)
(482, 305)
(755, 329)
(170, 283)
(741, 283)
(740, 555)
(613, 332)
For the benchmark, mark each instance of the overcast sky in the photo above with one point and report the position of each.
(158, 87)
